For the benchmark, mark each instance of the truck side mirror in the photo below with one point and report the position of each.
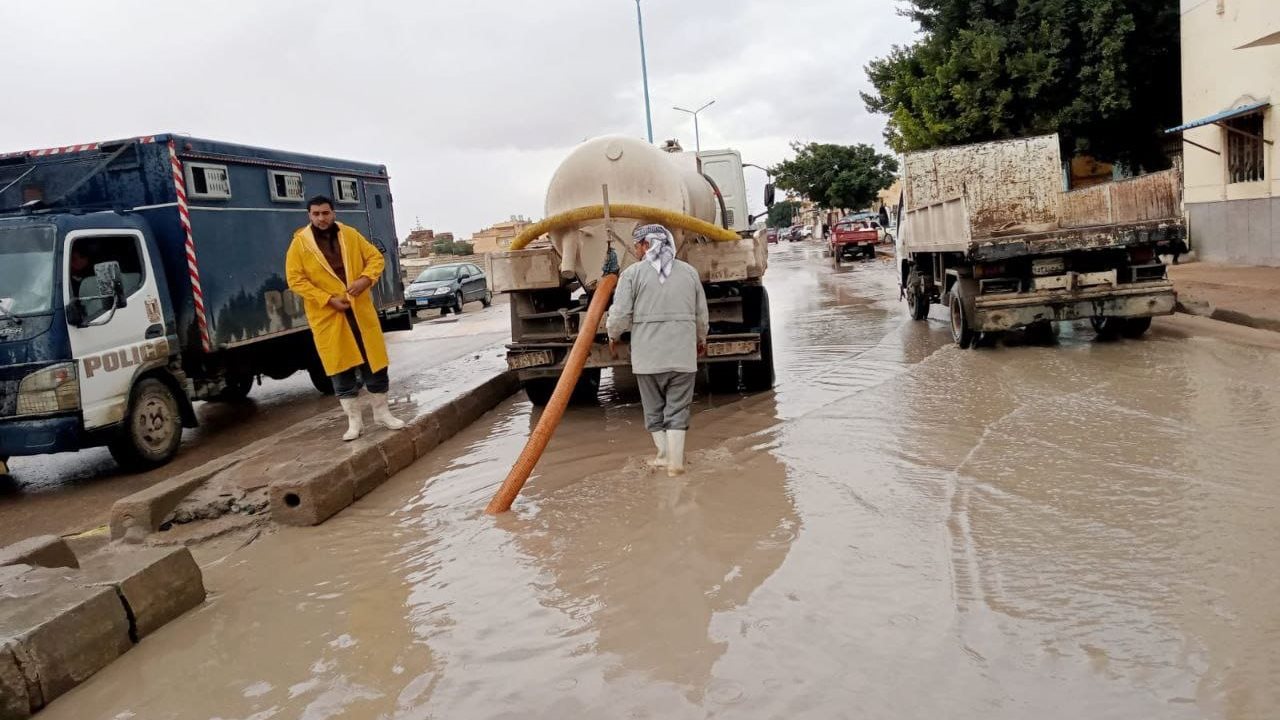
(768, 194)
(110, 284)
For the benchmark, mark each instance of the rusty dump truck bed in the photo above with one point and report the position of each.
(997, 200)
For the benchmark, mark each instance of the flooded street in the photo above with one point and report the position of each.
(902, 529)
(70, 492)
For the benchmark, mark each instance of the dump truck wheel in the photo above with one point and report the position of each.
(1107, 328)
(1135, 328)
(152, 428)
(917, 303)
(960, 330)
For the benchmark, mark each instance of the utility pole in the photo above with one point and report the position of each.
(697, 137)
(644, 71)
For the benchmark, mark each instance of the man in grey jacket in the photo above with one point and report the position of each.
(661, 301)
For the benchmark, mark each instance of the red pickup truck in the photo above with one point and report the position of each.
(851, 238)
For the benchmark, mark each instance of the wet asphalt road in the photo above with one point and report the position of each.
(902, 529)
(72, 492)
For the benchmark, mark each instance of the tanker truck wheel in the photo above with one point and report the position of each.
(758, 375)
(539, 390)
(319, 380)
(152, 429)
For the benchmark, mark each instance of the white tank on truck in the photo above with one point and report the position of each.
(630, 182)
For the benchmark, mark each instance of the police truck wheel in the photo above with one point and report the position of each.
(152, 428)
(320, 381)
(237, 388)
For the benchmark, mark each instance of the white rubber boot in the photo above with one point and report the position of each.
(355, 422)
(660, 442)
(675, 452)
(382, 413)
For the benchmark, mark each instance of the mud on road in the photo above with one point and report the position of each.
(901, 530)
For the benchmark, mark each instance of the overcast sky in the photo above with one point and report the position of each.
(471, 104)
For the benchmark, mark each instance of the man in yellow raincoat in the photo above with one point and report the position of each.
(331, 267)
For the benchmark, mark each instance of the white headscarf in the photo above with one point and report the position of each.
(662, 248)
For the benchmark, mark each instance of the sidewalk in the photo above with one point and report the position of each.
(1241, 294)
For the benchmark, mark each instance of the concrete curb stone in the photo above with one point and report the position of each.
(49, 551)
(312, 496)
(15, 701)
(60, 633)
(156, 585)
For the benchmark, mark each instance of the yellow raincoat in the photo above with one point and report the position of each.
(312, 278)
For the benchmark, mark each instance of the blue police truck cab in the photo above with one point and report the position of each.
(140, 276)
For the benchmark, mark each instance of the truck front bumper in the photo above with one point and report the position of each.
(997, 312)
(541, 360)
(40, 436)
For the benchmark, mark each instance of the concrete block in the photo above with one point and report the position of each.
(397, 448)
(448, 419)
(136, 515)
(157, 585)
(369, 468)
(313, 494)
(48, 551)
(15, 701)
(61, 633)
(425, 431)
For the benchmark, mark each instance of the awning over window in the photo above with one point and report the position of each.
(1272, 39)
(1219, 117)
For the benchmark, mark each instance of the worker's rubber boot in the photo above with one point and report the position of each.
(355, 422)
(675, 452)
(382, 413)
(660, 442)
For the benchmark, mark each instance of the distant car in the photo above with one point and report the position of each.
(852, 238)
(795, 233)
(448, 287)
(771, 235)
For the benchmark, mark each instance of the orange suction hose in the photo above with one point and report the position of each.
(554, 410)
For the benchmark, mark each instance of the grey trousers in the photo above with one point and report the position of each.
(666, 398)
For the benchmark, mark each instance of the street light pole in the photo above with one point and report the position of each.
(697, 138)
(644, 71)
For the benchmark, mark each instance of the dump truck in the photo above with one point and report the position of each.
(142, 275)
(991, 232)
(602, 191)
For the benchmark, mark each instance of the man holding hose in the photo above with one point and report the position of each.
(661, 301)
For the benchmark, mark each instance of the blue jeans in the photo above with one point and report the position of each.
(347, 383)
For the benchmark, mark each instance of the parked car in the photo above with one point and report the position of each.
(448, 287)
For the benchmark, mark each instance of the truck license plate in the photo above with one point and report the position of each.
(519, 361)
(735, 347)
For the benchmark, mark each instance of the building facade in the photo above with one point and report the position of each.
(498, 237)
(1230, 76)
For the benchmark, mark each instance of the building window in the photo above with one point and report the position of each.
(346, 190)
(1246, 151)
(208, 181)
(285, 186)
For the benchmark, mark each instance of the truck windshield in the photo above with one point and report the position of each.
(26, 270)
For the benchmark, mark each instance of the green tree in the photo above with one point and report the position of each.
(781, 214)
(836, 176)
(1104, 74)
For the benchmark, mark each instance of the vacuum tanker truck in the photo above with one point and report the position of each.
(596, 198)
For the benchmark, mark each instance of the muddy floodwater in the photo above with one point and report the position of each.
(901, 530)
